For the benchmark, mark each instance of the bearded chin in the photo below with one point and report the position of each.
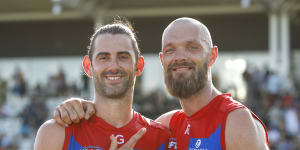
(183, 88)
(113, 92)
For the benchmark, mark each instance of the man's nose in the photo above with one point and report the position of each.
(180, 54)
(114, 66)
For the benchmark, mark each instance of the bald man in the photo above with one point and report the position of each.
(209, 120)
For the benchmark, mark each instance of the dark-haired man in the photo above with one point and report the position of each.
(113, 61)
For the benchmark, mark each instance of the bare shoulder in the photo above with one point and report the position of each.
(165, 118)
(243, 131)
(50, 136)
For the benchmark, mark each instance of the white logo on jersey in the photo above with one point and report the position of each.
(172, 144)
(120, 139)
(198, 143)
(187, 130)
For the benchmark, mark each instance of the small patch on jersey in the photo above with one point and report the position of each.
(73, 145)
(172, 144)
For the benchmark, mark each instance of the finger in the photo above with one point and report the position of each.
(56, 117)
(133, 140)
(64, 115)
(90, 109)
(72, 113)
(77, 106)
(113, 144)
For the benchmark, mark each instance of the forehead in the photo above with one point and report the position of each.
(113, 43)
(183, 32)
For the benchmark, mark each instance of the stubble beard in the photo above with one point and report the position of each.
(184, 87)
(113, 92)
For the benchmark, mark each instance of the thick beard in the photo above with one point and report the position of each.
(114, 92)
(183, 88)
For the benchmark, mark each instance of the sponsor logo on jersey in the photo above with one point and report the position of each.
(213, 142)
(198, 143)
(91, 148)
(120, 139)
(187, 130)
(172, 144)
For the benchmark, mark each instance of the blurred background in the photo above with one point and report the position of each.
(42, 43)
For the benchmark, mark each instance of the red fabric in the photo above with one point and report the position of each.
(97, 132)
(205, 122)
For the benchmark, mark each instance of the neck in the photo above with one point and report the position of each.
(197, 101)
(116, 112)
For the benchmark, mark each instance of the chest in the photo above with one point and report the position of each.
(202, 134)
(94, 138)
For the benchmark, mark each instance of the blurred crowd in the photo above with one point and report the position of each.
(23, 109)
(276, 101)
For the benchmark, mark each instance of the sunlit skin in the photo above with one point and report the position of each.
(114, 68)
(185, 42)
(113, 64)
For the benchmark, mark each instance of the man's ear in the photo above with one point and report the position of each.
(140, 66)
(161, 58)
(213, 56)
(86, 64)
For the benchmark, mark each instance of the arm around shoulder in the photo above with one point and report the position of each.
(165, 119)
(242, 131)
(50, 136)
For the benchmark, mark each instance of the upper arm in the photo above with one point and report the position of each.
(165, 119)
(242, 131)
(50, 136)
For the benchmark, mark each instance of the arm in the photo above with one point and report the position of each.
(165, 119)
(50, 136)
(244, 132)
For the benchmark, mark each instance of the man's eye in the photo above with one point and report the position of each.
(102, 57)
(192, 47)
(169, 50)
(124, 57)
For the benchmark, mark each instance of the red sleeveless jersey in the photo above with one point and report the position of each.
(204, 130)
(94, 134)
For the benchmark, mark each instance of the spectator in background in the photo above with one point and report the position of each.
(33, 115)
(61, 88)
(3, 90)
(273, 86)
(20, 85)
(290, 116)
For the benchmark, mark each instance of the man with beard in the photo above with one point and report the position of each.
(113, 61)
(209, 120)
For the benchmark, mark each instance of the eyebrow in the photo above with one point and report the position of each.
(124, 52)
(107, 53)
(188, 42)
(102, 53)
(191, 42)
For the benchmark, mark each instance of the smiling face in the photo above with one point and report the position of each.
(113, 65)
(186, 47)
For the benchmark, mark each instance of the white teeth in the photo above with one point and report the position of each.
(113, 78)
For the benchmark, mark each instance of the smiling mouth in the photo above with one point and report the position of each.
(113, 78)
(177, 68)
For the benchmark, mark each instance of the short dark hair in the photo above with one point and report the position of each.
(119, 26)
